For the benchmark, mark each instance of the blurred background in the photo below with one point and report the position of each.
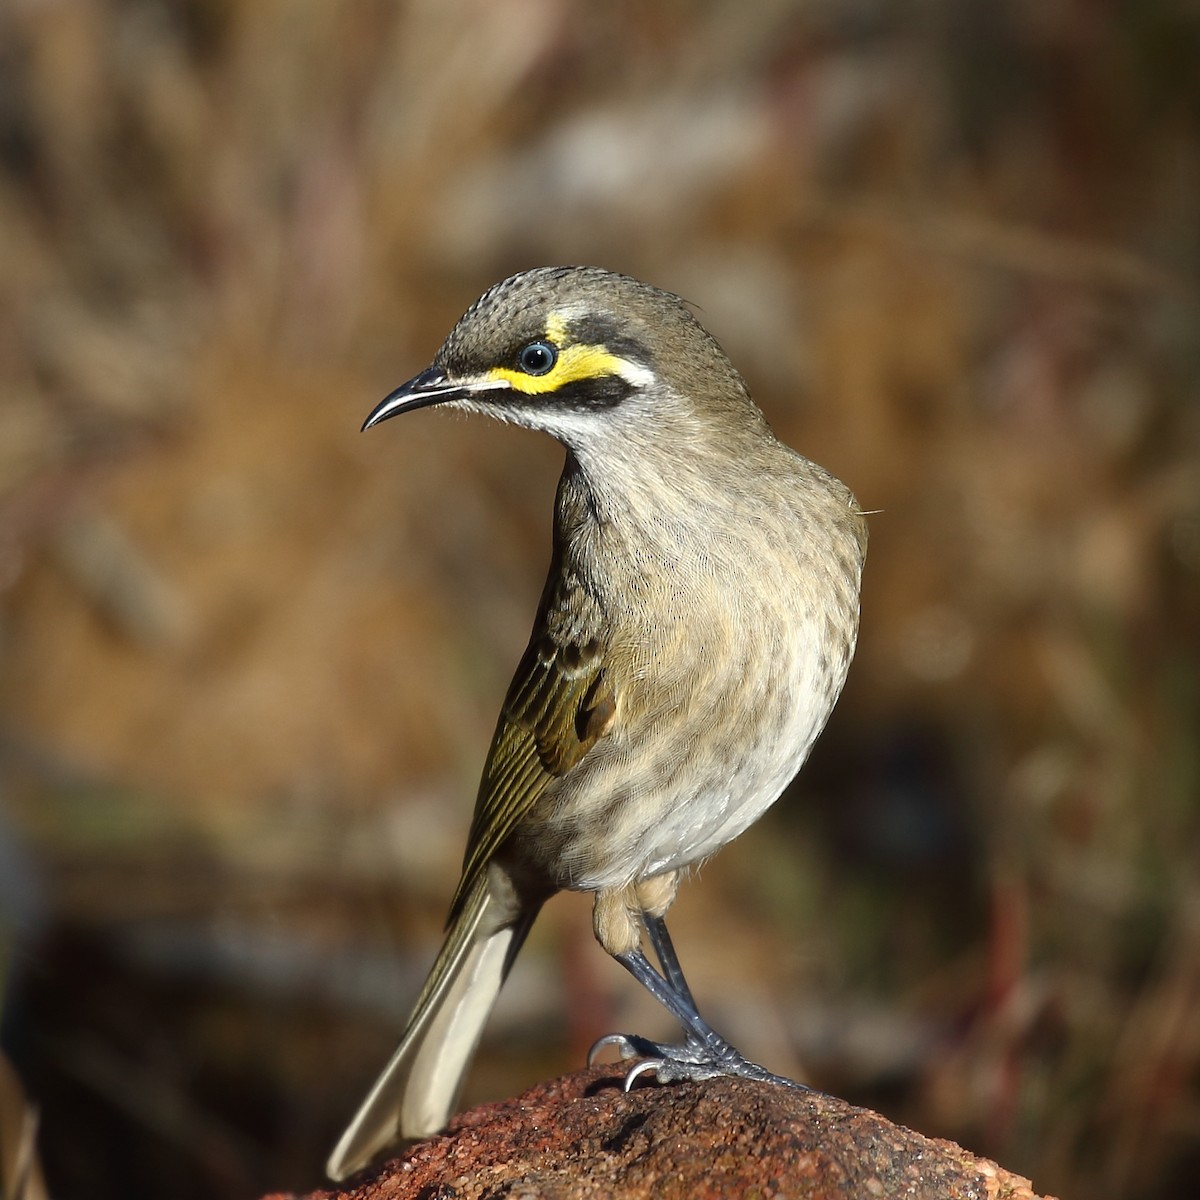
(250, 660)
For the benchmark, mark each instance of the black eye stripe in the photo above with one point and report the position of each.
(537, 358)
(587, 395)
(613, 336)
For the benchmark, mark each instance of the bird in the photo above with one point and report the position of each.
(695, 630)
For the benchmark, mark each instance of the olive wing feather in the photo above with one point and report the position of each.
(559, 704)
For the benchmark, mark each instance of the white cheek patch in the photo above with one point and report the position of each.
(635, 373)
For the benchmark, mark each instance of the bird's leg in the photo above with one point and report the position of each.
(664, 950)
(704, 1054)
(704, 1047)
(653, 897)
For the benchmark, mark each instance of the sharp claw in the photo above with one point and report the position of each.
(647, 1066)
(625, 1047)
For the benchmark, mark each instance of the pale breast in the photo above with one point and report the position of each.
(739, 664)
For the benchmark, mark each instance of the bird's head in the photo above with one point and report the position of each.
(565, 349)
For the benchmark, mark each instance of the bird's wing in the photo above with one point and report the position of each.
(560, 703)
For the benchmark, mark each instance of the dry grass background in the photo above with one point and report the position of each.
(250, 659)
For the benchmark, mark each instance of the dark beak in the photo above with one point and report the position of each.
(430, 387)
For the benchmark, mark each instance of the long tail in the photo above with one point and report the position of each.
(419, 1087)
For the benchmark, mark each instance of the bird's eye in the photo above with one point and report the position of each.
(537, 358)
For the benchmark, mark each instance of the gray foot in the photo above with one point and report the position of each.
(690, 1061)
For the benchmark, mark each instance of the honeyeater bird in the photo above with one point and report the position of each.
(693, 635)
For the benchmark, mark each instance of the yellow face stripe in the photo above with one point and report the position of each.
(556, 329)
(575, 362)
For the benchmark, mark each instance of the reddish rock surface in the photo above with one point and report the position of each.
(581, 1136)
